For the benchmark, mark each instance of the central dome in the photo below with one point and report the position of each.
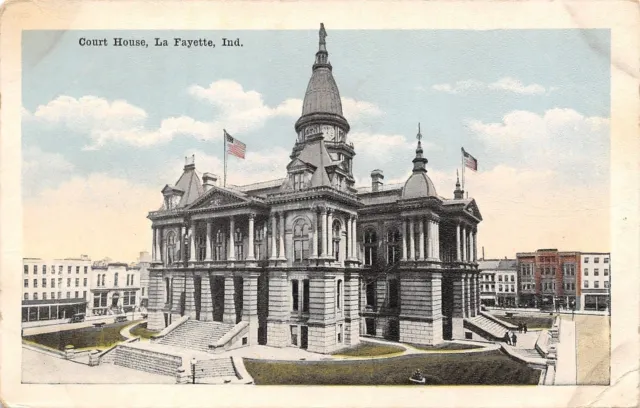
(322, 94)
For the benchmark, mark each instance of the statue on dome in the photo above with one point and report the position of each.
(322, 34)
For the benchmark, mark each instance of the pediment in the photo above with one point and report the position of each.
(217, 197)
(169, 190)
(472, 208)
(297, 164)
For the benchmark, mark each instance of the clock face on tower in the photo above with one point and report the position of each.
(329, 133)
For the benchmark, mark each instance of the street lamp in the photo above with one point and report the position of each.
(193, 370)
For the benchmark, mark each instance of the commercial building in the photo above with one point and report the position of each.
(310, 261)
(499, 282)
(144, 263)
(55, 288)
(595, 270)
(487, 269)
(115, 288)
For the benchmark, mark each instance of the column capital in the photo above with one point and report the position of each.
(252, 216)
(330, 210)
(322, 209)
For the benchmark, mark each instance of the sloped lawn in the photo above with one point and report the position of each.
(482, 368)
(85, 337)
(367, 349)
(142, 331)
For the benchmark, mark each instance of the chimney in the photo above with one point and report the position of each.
(376, 180)
(209, 180)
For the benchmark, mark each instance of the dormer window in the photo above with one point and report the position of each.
(298, 181)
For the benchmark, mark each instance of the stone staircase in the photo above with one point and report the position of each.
(486, 327)
(530, 353)
(218, 367)
(196, 335)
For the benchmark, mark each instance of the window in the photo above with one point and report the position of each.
(305, 296)
(129, 298)
(335, 245)
(84, 294)
(394, 292)
(586, 284)
(586, 271)
(339, 295)
(499, 278)
(59, 284)
(298, 181)
(239, 244)
(44, 269)
(201, 245)
(44, 282)
(606, 272)
(500, 288)
(26, 269)
(76, 294)
(104, 275)
(219, 249)
(393, 246)
(69, 269)
(513, 278)
(86, 269)
(100, 300)
(115, 279)
(371, 293)
(59, 269)
(294, 295)
(44, 295)
(35, 269)
(68, 282)
(596, 260)
(606, 284)
(35, 296)
(573, 286)
(171, 248)
(300, 240)
(77, 269)
(596, 272)
(370, 247)
(26, 283)
(606, 260)
(596, 285)
(259, 239)
(84, 282)
(53, 283)
(53, 295)
(586, 259)
(68, 295)
(142, 291)
(294, 335)
(26, 296)
(59, 295)
(98, 281)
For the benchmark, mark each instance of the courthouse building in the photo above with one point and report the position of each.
(309, 260)
(55, 288)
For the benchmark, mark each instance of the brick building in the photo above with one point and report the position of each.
(310, 261)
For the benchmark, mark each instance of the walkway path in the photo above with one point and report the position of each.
(567, 367)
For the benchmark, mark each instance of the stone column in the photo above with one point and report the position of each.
(208, 251)
(404, 239)
(229, 315)
(281, 252)
(464, 244)
(429, 239)
(471, 258)
(314, 220)
(347, 226)
(355, 237)
(330, 253)
(155, 243)
(277, 327)
(206, 299)
(421, 240)
(250, 305)
(458, 308)
(436, 240)
(192, 242)
(189, 304)
(250, 255)
(458, 255)
(475, 246)
(323, 240)
(183, 247)
(412, 242)
(274, 229)
(232, 244)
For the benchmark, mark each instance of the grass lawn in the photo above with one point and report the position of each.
(81, 338)
(365, 349)
(533, 322)
(446, 346)
(142, 331)
(490, 368)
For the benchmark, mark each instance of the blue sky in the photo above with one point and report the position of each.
(531, 105)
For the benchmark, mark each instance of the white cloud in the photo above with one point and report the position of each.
(506, 84)
(97, 215)
(42, 168)
(354, 110)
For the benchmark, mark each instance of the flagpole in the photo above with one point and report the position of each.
(224, 146)
(463, 166)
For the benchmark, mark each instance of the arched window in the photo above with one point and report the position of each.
(393, 245)
(104, 276)
(115, 279)
(300, 240)
(238, 244)
(171, 247)
(218, 247)
(336, 240)
(370, 247)
(201, 244)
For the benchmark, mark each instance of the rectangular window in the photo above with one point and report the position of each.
(586, 271)
(26, 269)
(84, 282)
(606, 284)
(59, 295)
(44, 282)
(86, 268)
(586, 284)
(499, 278)
(35, 296)
(606, 260)
(69, 269)
(393, 293)
(76, 294)
(68, 282)
(44, 295)
(59, 269)
(77, 269)
(26, 296)
(513, 278)
(294, 335)
(340, 333)
(596, 260)
(294, 295)
(59, 284)
(26, 283)
(586, 259)
(305, 296)
(596, 285)
(84, 294)
(499, 288)
(596, 272)
(68, 295)
(371, 294)
(53, 283)
(606, 272)
(143, 291)
(53, 295)
(35, 269)
(44, 269)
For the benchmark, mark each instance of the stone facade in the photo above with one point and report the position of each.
(310, 261)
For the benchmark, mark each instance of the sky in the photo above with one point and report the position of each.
(105, 128)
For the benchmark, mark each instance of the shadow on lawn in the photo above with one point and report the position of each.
(85, 337)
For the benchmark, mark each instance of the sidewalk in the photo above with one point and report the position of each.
(567, 364)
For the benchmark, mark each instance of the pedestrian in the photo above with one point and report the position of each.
(525, 328)
(520, 327)
(514, 339)
(507, 339)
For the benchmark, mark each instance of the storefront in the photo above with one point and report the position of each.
(35, 310)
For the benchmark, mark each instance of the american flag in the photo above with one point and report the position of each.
(234, 146)
(470, 161)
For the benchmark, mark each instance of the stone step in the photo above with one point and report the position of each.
(221, 367)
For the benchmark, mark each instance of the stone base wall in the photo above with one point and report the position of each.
(278, 334)
(323, 339)
(147, 360)
(420, 332)
(155, 321)
(352, 332)
(457, 329)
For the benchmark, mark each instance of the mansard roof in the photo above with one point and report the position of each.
(191, 184)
